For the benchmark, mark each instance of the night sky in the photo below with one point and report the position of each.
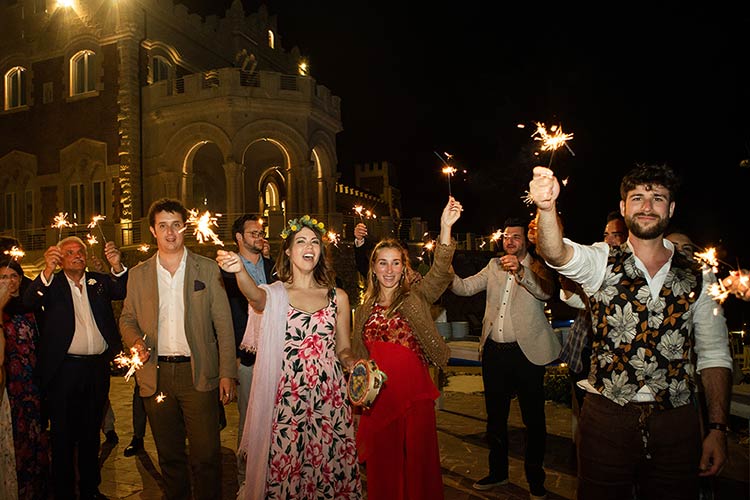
(665, 83)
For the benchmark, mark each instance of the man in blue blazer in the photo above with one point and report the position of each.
(78, 338)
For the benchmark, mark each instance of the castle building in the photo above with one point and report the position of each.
(111, 104)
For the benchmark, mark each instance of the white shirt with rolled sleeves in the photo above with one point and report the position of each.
(588, 266)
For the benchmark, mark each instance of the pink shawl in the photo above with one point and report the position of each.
(264, 334)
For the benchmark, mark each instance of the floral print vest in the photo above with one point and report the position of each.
(639, 340)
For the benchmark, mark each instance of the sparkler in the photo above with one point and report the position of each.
(144, 248)
(554, 140)
(60, 221)
(91, 239)
(333, 238)
(95, 223)
(133, 362)
(15, 254)
(363, 213)
(160, 397)
(448, 169)
(202, 226)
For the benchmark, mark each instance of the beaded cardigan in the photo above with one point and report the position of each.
(416, 310)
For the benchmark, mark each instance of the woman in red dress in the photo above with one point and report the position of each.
(397, 436)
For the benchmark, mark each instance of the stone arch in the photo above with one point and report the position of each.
(254, 146)
(169, 174)
(323, 156)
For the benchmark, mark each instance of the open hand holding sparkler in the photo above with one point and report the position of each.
(738, 283)
(202, 226)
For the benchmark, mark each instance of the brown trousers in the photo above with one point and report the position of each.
(186, 413)
(620, 448)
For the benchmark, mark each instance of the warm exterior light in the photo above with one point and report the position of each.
(302, 67)
(65, 3)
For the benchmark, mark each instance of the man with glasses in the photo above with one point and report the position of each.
(250, 237)
(517, 341)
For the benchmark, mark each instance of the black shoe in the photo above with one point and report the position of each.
(537, 493)
(112, 437)
(135, 446)
(489, 482)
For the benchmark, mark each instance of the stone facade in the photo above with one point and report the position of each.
(125, 102)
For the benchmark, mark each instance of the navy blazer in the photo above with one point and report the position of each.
(53, 306)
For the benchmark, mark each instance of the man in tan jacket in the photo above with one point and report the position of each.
(517, 341)
(177, 316)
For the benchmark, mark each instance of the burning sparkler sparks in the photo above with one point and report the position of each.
(552, 140)
(497, 235)
(333, 238)
(91, 239)
(95, 223)
(144, 248)
(364, 213)
(160, 397)
(15, 253)
(60, 221)
(202, 226)
(133, 362)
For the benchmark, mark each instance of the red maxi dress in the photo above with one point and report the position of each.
(397, 437)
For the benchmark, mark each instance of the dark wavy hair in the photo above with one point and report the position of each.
(373, 285)
(322, 274)
(238, 226)
(650, 176)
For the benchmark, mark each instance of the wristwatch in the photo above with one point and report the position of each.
(717, 426)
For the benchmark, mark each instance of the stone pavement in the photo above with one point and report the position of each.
(460, 422)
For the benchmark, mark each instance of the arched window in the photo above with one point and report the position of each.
(15, 88)
(271, 39)
(82, 72)
(161, 69)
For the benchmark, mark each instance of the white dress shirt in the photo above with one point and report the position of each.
(172, 337)
(87, 339)
(588, 267)
(504, 331)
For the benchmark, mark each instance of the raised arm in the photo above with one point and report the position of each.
(231, 263)
(451, 213)
(544, 190)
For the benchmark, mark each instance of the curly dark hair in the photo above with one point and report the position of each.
(650, 176)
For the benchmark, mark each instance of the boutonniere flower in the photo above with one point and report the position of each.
(91, 281)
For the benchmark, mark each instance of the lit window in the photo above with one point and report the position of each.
(271, 39)
(15, 88)
(82, 72)
(161, 69)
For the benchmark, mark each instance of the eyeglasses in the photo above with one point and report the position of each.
(10, 277)
(256, 234)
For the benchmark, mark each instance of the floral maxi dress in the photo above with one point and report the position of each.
(313, 452)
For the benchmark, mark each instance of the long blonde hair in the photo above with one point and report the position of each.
(372, 294)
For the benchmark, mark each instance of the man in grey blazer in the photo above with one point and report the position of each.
(517, 341)
(177, 316)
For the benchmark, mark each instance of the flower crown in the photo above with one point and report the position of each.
(295, 225)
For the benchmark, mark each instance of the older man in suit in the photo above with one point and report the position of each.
(517, 341)
(78, 338)
(177, 316)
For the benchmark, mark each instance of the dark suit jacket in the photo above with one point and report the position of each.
(238, 305)
(53, 304)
